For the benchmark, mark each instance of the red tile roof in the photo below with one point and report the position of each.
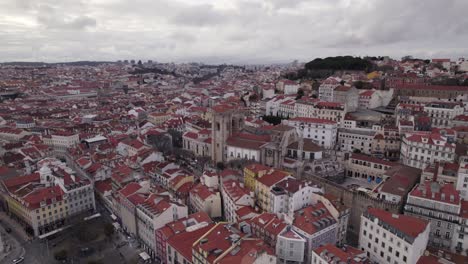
(103, 186)
(234, 190)
(445, 193)
(13, 183)
(408, 225)
(350, 255)
(183, 242)
(34, 198)
(201, 191)
(130, 188)
(305, 219)
(273, 177)
(257, 167)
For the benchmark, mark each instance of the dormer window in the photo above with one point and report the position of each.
(43, 203)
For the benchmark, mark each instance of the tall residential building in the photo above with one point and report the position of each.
(204, 199)
(440, 204)
(154, 213)
(235, 196)
(316, 225)
(290, 195)
(392, 238)
(290, 247)
(420, 149)
(462, 177)
(327, 88)
(351, 140)
(442, 113)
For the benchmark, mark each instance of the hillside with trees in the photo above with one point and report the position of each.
(322, 68)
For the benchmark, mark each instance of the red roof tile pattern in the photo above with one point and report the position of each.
(408, 225)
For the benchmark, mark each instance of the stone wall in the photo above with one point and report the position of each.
(358, 202)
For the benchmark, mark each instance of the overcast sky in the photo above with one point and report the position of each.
(231, 31)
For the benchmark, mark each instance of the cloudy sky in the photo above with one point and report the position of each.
(231, 31)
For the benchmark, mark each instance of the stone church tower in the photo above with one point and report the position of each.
(226, 120)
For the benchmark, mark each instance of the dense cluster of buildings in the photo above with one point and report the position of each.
(229, 164)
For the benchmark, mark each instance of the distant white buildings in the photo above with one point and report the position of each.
(323, 132)
(419, 149)
(442, 113)
(370, 99)
(333, 111)
(62, 139)
(327, 88)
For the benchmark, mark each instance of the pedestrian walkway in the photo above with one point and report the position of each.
(12, 247)
(19, 230)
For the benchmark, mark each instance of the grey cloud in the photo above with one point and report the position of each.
(200, 15)
(230, 30)
(52, 18)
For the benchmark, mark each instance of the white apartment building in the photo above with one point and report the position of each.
(235, 196)
(290, 87)
(153, 214)
(441, 205)
(341, 213)
(290, 195)
(272, 106)
(245, 146)
(419, 149)
(316, 225)
(371, 99)
(462, 179)
(62, 139)
(202, 199)
(442, 113)
(327, 88)
(198, 142)
(392, 238)
(286, 109)
(47, 199)
(323, 132)
(12, 134)
(290, 247)
(360, 139)
(333, 111)
(367, 168)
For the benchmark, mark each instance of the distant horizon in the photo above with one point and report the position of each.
(219, 63)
